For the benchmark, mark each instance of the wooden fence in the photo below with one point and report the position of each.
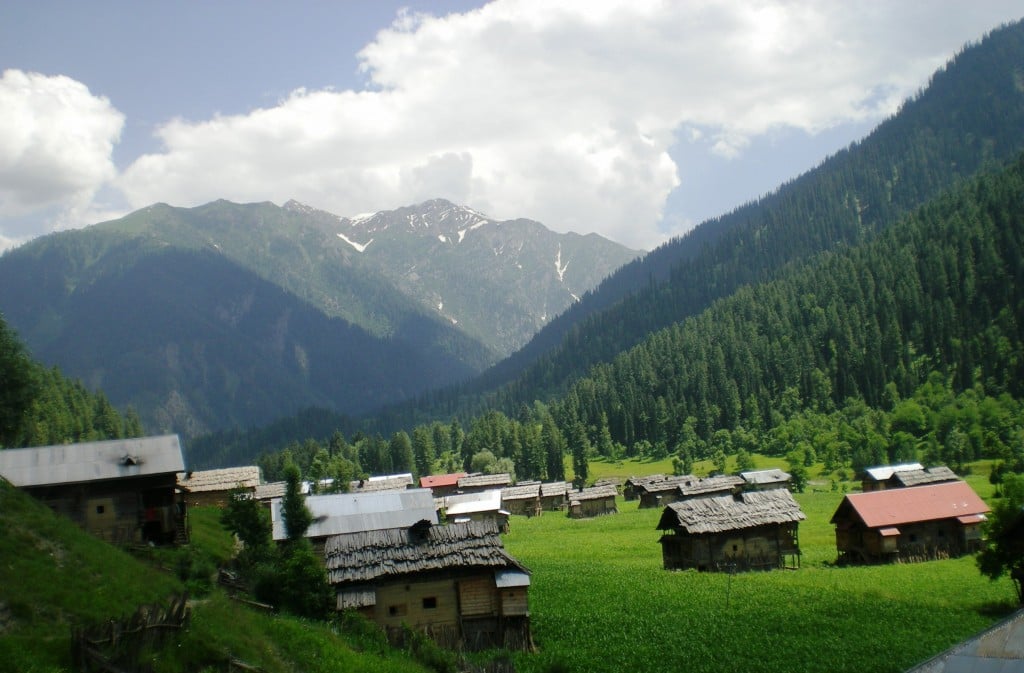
(116, 646)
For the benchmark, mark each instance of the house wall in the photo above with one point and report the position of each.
(919, 541)
(552, 503)
(596, 507)
(118, 510)
(524, 507)
(211, 498)
(417, 604)
(757, 548)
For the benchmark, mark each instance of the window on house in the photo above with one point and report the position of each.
(396, 610)
(429, 602)
(100, 509)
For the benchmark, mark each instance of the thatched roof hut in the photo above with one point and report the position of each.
(756, 529)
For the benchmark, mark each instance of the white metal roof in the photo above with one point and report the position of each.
(339, 513)
(503, 579)
(470, 503)
(92, 461)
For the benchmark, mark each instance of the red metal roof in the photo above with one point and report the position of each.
(896, 506)
(441, 480)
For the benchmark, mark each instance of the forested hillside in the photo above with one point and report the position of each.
(39, 406)
(969, 116)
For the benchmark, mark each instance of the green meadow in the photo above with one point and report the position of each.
(600, 600)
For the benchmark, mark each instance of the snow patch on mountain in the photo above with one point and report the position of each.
(559, 268)
(360, 247)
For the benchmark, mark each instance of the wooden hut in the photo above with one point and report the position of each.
(522, 499)
(756, 530)
(760, 480)
(880, 478)
(909, 524)
(267, 493)
(122, 490)
(213, 488)
(631, 489)
(475, 483)
(654, 493)
(456, 583)
(931, 475)
(553, 495)
(482, 506)
(339, 513)
(442, 484)
(593, 501)
(697, 488)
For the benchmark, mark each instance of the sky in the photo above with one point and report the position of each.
(634, 119)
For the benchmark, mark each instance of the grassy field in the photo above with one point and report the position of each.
(600, 600)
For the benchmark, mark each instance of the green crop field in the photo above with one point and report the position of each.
(600, 601)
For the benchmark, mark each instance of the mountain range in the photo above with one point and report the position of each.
(230, 315)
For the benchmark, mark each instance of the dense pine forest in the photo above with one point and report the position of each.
(39, 406)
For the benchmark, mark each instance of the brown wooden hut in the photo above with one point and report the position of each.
(206, 488)
(707, 486)
(729, 532)
(387, 482)
(456, 583)
(522, 499)
(656, 493)
(761, 480)
(631, 489)
(880, 478)
(931, 475)
(266, 493)
(909, 524)
(593, 501)
(120, 490)
(553, 495)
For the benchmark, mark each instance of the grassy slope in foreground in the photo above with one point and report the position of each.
(53, 575)
(600, 601)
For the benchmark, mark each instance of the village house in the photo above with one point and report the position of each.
(631, 487)
(388, 482)
(442, 484)
(909, 524)
(879, 478)
(475, 483)
(480, 506)
(756, 530)
(760, 480)
(266, 493)
(654, 493)
(593, 501)
(338, 513)
(553, 495)
(931, 475)
(523, 499)
(123, 490)
(455, 583)
(213, 488)
(696, 488)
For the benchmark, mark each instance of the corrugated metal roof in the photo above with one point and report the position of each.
(504, 579)
(435, 480)
(92, 461)
(896, 506)
(472, 503)
(884, 472)
(339, 513)
(222, 479)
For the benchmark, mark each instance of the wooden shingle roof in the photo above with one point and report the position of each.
(933, 475)
(592, 493)
(709, 485)
(367, 556)
(521, 492)
(486, 480)
(222, 479)
(720, 513)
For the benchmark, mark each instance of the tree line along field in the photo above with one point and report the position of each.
(600, 601)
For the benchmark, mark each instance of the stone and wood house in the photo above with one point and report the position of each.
(455, 583)
(123, 491)
(915, 523)
(593, 501)
(523, 499)
(754, 530)
(553, 495)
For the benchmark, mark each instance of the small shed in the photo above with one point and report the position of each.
(455, 583)
(553, 495)
(909, 524)
(482, 506)
(121, 490)
(442, 484)
(631, 489)
(879, 478)
(339, 513)
(656, 493)
(757, 530)
(475, 483)
(522, 499)
(387, 482)
(593, 501)
(760, 480)
(212, 488)
(931, 475)
(709, 485)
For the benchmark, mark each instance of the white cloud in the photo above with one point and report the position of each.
(56, 140)
(562, 112)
